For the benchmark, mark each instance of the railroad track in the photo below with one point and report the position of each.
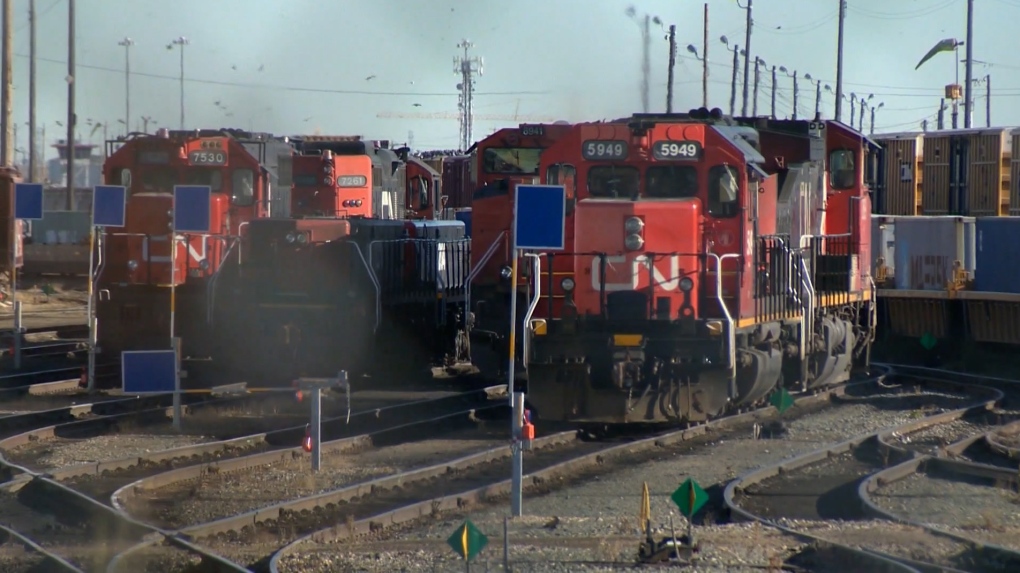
(89, 481)
(305, 517)
(107, 375)
(805, 495)
(703, 440)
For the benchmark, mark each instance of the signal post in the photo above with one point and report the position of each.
(314, 387)
(539, 225)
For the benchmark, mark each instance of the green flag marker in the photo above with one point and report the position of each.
(781, 400)
(467, 541)
(689, 497)
(928, 341)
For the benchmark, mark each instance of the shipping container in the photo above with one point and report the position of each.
(883, 247)
(927, 249)
(1014, 174)
(457, 181)
(967, 172)
(898, 185)
(998, 255)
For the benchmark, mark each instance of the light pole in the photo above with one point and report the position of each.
(796, 91)
(146, 120)
(864, 103)
(704, 74)
(758, 62)
(127, 43)
(736, 63)
(818, 95)
(181, 42)
(880, 104)
(644, 23)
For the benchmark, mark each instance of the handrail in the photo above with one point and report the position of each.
(531, 307)
(808, 319)
(731, 337)
(375, 282)
(485, 258)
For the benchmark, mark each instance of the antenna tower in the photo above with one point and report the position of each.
(467, 67)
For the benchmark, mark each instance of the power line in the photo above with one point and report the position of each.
(283, 88)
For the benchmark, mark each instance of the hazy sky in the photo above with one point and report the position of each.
(544, 59)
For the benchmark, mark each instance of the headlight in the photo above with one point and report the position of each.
(327, 180)
(505, 272)
(132, 265)
(204, 264)
(633, 242)
(567, 284)
(633, 225)
(686, 284)
(291, 237)
(302, 238)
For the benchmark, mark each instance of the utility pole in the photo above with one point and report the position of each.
(733, 82)
(704, 62)
(988, 100)
(773, 92)
(8, 85)
(32, 168)
(672, 63)
(757, 77)
(795, 94)
(466, 67)
(646, 62)
(127, 43)
(942, 114)
(747, 54)
(970, 66)
(818, 100)
(71, 116)
(181, 42)
(839, 62)
(853, 103)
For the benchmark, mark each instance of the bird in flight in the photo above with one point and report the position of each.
(369, 78)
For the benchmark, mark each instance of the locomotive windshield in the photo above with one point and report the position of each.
(842, 172)
(671, 182)
(612, 182)
(511, 160)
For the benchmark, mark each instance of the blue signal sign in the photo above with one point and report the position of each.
(28, 201)
(540, 213)
(192, 213)
(149, 371)
(109, 206)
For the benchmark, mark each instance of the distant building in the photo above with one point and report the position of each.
(88, 168)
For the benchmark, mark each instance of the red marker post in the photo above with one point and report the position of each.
(313, 434)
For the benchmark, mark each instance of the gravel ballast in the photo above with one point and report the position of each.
(981, 512)
(215, 496)
(605, 503)
(56, 453)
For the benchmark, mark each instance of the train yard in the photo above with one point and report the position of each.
(235, 486)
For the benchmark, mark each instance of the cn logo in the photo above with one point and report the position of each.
(632, 275)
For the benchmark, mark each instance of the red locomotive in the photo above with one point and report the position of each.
(346, 282)
(702, 273)
(499, 162)
(137, 266)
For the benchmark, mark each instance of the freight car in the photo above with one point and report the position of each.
(350, 285)
(968, 172)
(701, 274)
(137, 265)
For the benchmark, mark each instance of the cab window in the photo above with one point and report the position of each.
(125, 177)
(511, 160)
(211, 177)
(723, 191)
(158, 179)
(242, 187)
(611, 182)
(671, 182)
(419, 196)
(563, 174)
(842, 171)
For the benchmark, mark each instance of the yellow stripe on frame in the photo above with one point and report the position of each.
(627, 339)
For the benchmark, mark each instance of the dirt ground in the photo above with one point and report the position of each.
(45, 293)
